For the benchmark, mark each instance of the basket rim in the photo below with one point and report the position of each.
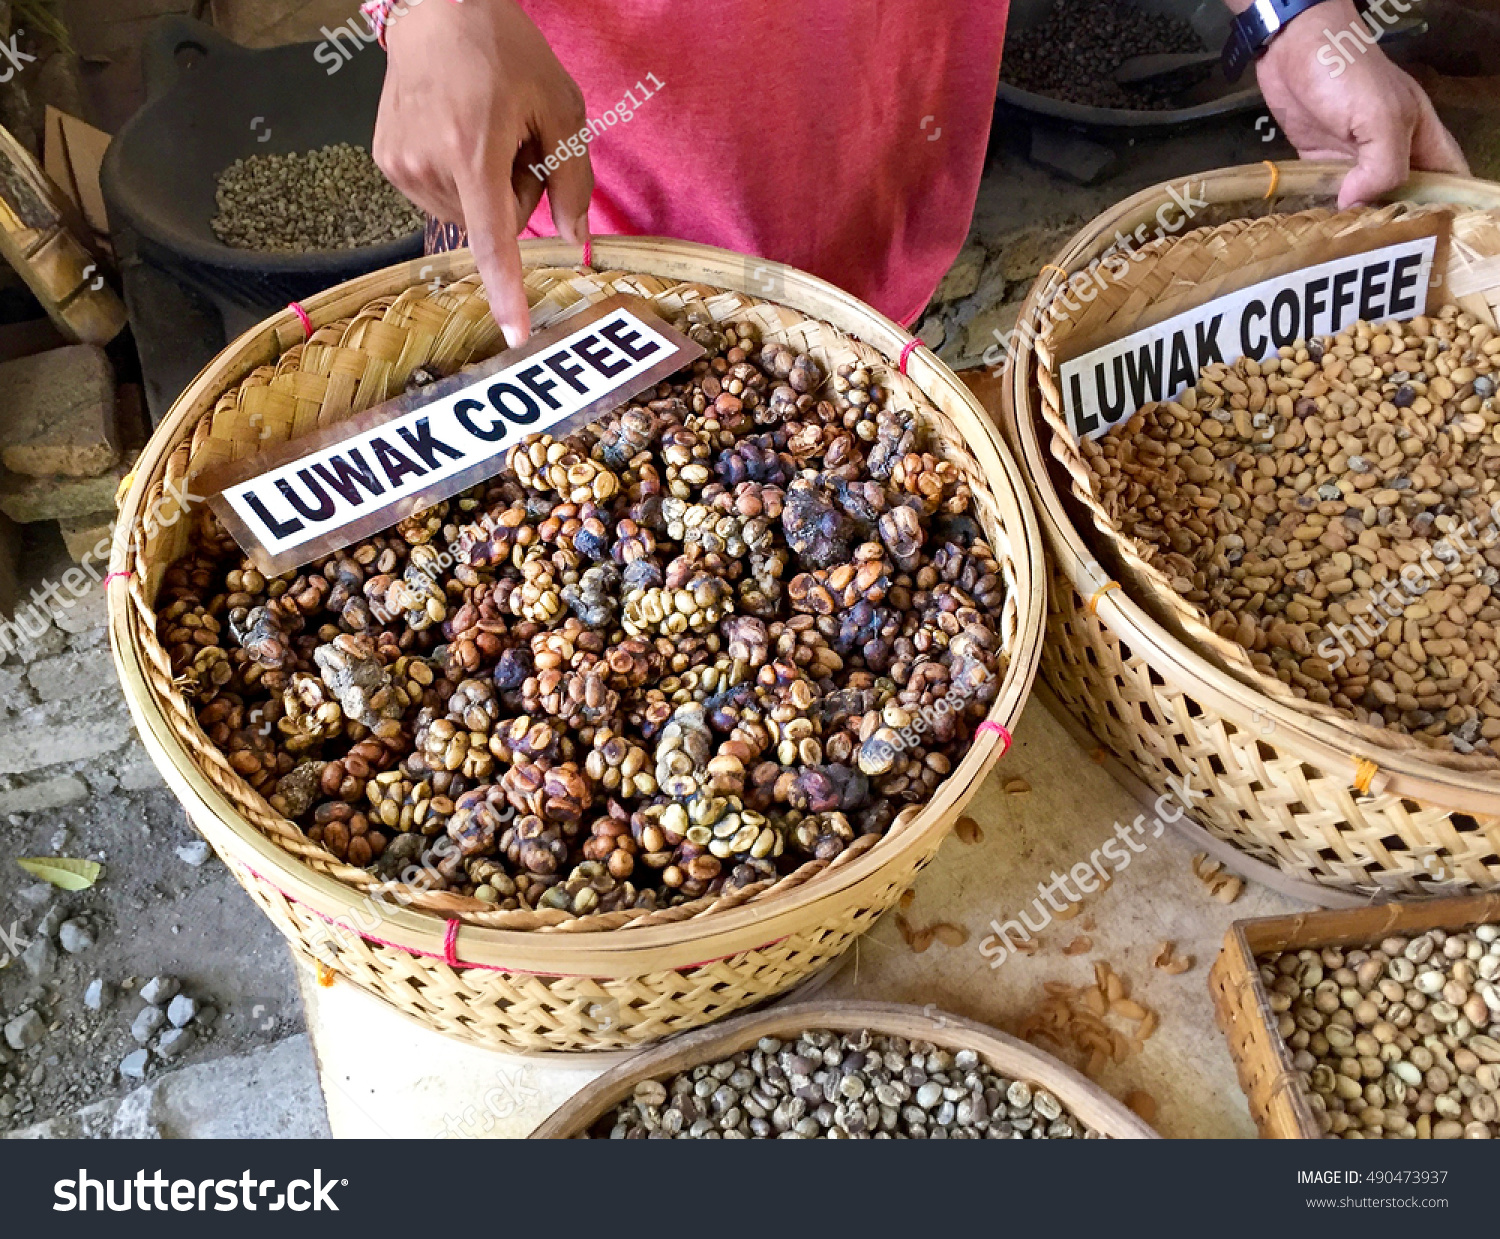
(709, 933)
(1403, 773)
(590, 1103)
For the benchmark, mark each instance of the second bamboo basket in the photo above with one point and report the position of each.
(1286, 788)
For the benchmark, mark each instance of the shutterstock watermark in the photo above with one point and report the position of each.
(1389, 600)
(13, 940)
(1342, 47)
(160, 1194)
(1089, 876)
(500, 1101)
(1086, 285)
(12, 57)
(364, 918)
(576, 145)
(29, 623)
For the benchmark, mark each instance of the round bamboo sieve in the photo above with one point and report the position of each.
(1003, 1053)
(539, 982)
(1283, 781)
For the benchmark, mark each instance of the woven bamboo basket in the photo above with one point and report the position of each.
(1287, 786)
(1083, 1098)
(1276, 1090)
(538, 982)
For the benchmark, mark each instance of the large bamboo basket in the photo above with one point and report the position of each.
(1005, 1054)
(537, 982)
(1276, 1090)
(1283, 780)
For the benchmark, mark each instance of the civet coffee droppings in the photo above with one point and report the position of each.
(1399, 1040)
(1331, 509)
(329, 199)
(849, 1086)
(728, 629)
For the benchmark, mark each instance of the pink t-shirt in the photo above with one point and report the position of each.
(843, 137)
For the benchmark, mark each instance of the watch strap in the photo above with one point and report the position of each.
(1252, 31)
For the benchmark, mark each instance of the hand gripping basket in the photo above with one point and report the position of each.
(1315, 801)
(541, 981)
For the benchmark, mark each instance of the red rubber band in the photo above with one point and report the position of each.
(117, 576)
(588, 252)
(911, 347)
(1000, 731)
(302, 314)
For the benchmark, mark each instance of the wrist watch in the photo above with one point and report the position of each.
(1252, 31)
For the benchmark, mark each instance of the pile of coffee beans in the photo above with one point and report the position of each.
(727, 630)
(1399, 1040)
(1073, 53)
(1333, 510)
(329, 199)
(844, 1086)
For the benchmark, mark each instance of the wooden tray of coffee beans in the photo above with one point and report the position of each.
(1375, 1023)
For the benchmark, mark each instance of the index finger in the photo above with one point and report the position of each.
(490, 217)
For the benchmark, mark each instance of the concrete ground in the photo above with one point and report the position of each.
(75, 783)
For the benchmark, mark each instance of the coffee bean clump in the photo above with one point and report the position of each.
(329, 199)
(849, 1086)
(1395, 1041)
(1073, 53)
(1333, 510)
(729, 629)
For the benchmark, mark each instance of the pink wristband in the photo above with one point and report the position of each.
(379, 14)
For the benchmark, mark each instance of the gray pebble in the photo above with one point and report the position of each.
(159, 990)
(133, 1065)
(98, 995)
(146, 1024)
(40, 957)
(180, 1011)
(174, 1041)
(194, 853)
(75, 937)
(25, 1031)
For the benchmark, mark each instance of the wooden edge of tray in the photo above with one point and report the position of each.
(1235, 978)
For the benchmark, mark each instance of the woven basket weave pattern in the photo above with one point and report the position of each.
(1207, 261)
(361, 353)
(1144, 674)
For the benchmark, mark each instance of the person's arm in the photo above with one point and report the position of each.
(473, 98)
(1367, 110)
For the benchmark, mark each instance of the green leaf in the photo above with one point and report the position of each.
(63, 871)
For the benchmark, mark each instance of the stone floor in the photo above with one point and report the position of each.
(75, 783)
